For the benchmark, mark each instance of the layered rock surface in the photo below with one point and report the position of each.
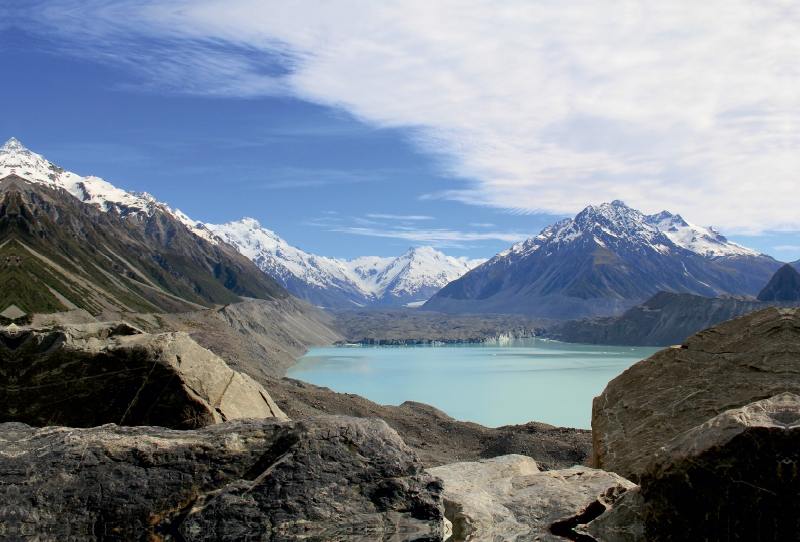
(326, 478)
(725, 367)
(92, 374)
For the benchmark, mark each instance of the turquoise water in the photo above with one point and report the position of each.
(491, 384)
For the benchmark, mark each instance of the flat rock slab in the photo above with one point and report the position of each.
(324, 478)
(724, 367)
(92, 374)
(508, 499)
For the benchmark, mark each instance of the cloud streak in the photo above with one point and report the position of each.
(439, 238)
(401, 217)
(539, 106)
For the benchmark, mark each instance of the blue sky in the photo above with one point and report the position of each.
(351, 130)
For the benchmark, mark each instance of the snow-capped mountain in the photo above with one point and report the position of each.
(330, 282)
(366, 281)
(14, 158)
(604, 260)
(101, 248)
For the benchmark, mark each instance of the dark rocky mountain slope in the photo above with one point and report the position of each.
(666, 318)
(57, 253)
(783, 286)
(602, 262)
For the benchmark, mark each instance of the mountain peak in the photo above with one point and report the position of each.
(250, 223)
(783, 286)
(13, 146)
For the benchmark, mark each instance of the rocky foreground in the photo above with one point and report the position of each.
(698, 442)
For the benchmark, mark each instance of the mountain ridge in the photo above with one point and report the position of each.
(367, 281)
(330, 282)
(78, 242)
(604, 261)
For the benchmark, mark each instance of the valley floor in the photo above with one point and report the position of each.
(412, 326)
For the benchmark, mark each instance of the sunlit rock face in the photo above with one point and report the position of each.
(507, 498)
(324, 478)
(711, 432)
(724, 367)
(92, 374)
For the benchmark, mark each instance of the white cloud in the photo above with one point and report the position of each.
(787, 247)
(541, 106)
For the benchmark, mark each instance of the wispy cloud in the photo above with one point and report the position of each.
(401, 217)
(436, 237)
(439, 238)
(540, 106)
(787, 247)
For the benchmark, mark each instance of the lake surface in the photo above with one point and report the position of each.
(491, 384)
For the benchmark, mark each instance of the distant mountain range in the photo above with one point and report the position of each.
(602, 262)
(361, 282)
(368, 281)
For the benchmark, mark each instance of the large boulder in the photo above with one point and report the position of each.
(724, 367)
(733, 477)
(324, 478)
(507, 498)
(92, 374)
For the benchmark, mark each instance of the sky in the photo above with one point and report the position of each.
(353, 127)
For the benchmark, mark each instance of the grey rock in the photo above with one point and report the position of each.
(91, 374)
(623, 522)
(734, 477)
(325, 478)
(724, 367)
(507, 499)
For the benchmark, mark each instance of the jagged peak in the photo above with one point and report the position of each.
(249, 222)
(13, 146)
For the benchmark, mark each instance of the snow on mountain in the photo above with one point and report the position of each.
(14, 158)
(603, 261)
(618, 222)
(412, 277)
(364, 281)
(707, 242)
(371, 280)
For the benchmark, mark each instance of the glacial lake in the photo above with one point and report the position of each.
(492, 384)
